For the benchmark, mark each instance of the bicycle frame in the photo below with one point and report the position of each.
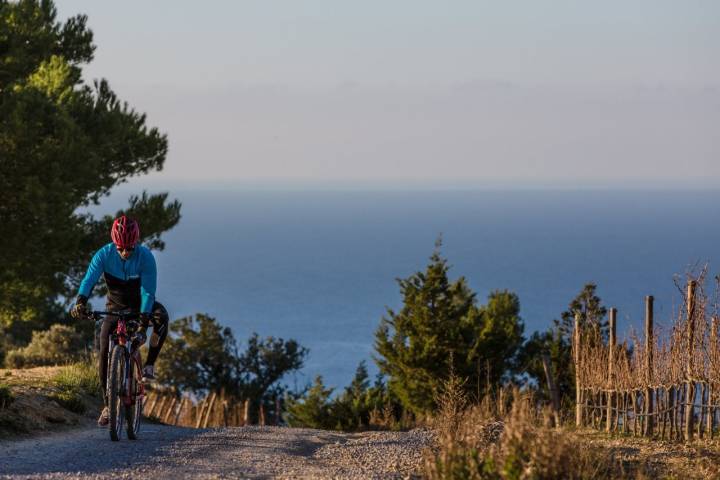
(121, 337)
(125, 392)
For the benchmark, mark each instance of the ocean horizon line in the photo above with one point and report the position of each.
(264, 185)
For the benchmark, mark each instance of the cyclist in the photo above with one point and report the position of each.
(130, 276)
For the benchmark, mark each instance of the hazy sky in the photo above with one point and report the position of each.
(415, 92)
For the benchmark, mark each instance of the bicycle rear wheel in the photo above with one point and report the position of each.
(133, 412)
(116, 381)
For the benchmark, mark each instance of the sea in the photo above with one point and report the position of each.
(321, 266)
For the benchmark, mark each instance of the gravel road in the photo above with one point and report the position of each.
(242, 452)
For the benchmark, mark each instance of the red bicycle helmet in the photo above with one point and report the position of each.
(125, 232)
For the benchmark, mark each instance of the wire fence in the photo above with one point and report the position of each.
(663, 384)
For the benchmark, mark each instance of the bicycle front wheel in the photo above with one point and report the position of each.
(133, 412)
(116, 392)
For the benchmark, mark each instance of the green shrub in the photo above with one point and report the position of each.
(360, 406)
(82, 377)
(70, 400)
(441, 329)
(73, 383)
(312, 410)
(60, 344)
(6, 396)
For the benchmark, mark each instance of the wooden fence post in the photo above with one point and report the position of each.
(672, 396)
(152, 403)
(578, 393)
(161, 407)
(246, 412)
(626, 422)
(221, 403)
(200, 412)
(714, 364)
(180, 410)
(633, 394)
(277, 410)
(166, 417)
(701, 419)
(611, 369)
(225, 412)
(649, 346)
(690, 391)
(662, 407)
(211, 403)
(551, 387)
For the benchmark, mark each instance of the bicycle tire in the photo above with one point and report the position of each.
(116, 376)
(133, 412)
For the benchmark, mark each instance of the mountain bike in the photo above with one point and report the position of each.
(125, 391)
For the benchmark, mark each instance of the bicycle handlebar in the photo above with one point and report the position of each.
(124, 314)
(118, 313)
(99, 315)
(133, 319)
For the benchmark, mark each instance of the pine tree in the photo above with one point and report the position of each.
(592, 314)
(352, 409)
(313, 409)
(557, 343)
(441, 329)
(63, 146)
(349, 411)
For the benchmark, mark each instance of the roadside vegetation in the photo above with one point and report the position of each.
(6, 396)
(200, 356)
(508, 436)
(64, 145)
(439, 329)
(45, 398)
(360, 406)
(58, 345)
(74, 384)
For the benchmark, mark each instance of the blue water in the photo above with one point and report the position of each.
(320, 267)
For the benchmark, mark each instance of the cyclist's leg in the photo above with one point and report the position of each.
(108, 325)
(160, 329)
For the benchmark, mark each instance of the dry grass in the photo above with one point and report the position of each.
(387, 419)
(74, 384)
(509, 437)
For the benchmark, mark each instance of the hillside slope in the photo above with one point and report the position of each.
(40, 404)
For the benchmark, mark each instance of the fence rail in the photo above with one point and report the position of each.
(665, 386)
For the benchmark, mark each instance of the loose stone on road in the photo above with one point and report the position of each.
(242, 452)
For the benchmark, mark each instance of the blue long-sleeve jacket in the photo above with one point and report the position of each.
(131, 283)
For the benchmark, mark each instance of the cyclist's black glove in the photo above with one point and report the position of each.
(144, 323)
(79, 310)
(140, 336)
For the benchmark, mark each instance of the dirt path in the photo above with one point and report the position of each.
(245, 452)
